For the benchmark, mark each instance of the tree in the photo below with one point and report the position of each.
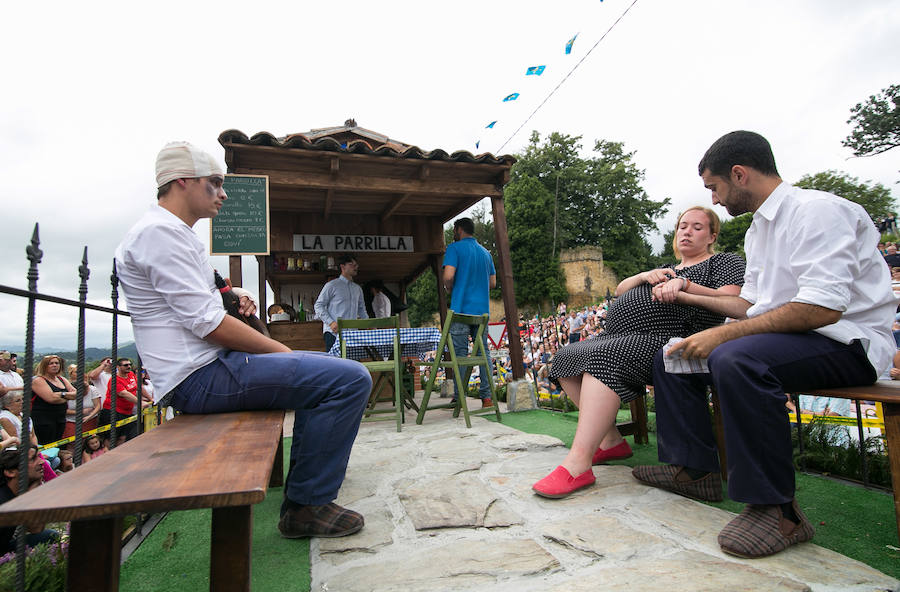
(876, 123)
(597, 200)
(876, 199)
(529, 217)
(731, 234)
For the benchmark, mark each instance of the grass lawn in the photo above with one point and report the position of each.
(853, 521)
(856, 522)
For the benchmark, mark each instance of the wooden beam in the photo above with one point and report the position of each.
(508, 288)
(371, 184)
(329, 201)
(388, 212)
(335, 166)
(436, 261)
(235, 272)
(261, 261)
(424, 171)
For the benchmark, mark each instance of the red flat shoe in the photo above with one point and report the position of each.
(561, 483)
(617, 452)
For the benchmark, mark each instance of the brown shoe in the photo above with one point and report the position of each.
(760, 531)
(707, 488)
(328, 521)
(485, 403)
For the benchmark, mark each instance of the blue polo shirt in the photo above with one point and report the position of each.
(471, 284)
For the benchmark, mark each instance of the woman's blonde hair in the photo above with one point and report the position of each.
(45, 362)
(714, 226)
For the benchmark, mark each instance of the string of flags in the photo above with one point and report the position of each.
(539, 70)
(530, 71)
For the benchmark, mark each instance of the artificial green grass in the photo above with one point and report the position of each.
(175, 557)
(856, 522)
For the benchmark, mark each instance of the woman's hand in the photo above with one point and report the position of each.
(668, 291)
(658, 276)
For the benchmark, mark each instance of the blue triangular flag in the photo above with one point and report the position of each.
(570, 43)
(535, 70)
(476, 144)
(511, 97)
(490, 125)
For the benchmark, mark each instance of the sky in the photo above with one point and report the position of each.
(93, 90)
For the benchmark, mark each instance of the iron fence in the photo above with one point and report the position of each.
(35, 255)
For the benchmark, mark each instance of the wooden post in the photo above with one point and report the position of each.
(509, 290)
(442, 296)
(234, 271)
(263, 305)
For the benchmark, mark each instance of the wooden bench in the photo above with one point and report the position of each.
(886, 392)
(221, 461)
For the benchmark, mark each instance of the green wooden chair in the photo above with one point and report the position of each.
(384, 367)
(478, 357)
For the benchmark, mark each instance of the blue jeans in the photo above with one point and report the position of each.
(459, 334)
(328, 396)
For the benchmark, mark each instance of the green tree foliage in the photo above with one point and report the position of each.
(422, 297)
(876, 199)
(600, 199)
(731, 234)
(529, 216)
(876, 123)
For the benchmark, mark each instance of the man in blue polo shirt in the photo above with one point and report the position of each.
(469, 275)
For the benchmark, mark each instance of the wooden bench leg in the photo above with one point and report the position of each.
(229, 561)
(892, 432)
(639, 419)
(277, 477)
(95, 552)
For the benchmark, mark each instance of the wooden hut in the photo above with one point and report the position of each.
(384, 200)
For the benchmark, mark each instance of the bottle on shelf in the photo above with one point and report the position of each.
(301, 314)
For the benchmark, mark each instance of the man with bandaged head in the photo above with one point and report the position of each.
(213, 363)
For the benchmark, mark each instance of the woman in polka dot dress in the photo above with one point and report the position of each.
(600, 373)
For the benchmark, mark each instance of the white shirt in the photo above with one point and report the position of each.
(88, 405)
(381, 306)
(814, 247)
(11, 379)
(168, 284)
(102, 380)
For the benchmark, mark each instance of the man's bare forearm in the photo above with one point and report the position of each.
(729, 306)
(792, 317)
(237, 336)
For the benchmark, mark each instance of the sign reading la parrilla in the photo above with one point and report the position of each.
(358, 243)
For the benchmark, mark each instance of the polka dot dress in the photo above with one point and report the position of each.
(636, 328)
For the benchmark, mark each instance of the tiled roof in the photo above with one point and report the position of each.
(321, 139)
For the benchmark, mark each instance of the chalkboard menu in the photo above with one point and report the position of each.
(242, 226)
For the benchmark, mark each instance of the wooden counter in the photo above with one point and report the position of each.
(304, 336)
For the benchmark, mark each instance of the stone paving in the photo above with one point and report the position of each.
(450, 508)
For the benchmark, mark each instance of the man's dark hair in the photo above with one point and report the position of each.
(164, 189)
(466, 225)
(740, 147)
(120, 360)
(346, 258)
(9, 460)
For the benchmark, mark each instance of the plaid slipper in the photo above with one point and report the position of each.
(759, 531)
(328, 521)
(674, 478)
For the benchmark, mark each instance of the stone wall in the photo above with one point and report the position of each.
(587, 279)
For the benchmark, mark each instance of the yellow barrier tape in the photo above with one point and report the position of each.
(101, 429)
(867, 422)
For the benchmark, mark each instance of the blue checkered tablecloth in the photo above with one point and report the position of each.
(414, 341)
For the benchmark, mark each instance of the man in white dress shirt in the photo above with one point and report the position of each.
(341, 298)
(214, 363)
(9, 378)
(814, 312)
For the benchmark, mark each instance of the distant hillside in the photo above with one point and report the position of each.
(91, 354)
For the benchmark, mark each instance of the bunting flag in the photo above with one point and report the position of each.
(511, 97)
(490, 125)
(478, 143)
(570, 43)
(535, 70)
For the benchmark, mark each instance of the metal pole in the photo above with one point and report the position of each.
(84, 273)
(862, 445)
(114, 353)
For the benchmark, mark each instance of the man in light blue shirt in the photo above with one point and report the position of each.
(341, 298)
(469, 275)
